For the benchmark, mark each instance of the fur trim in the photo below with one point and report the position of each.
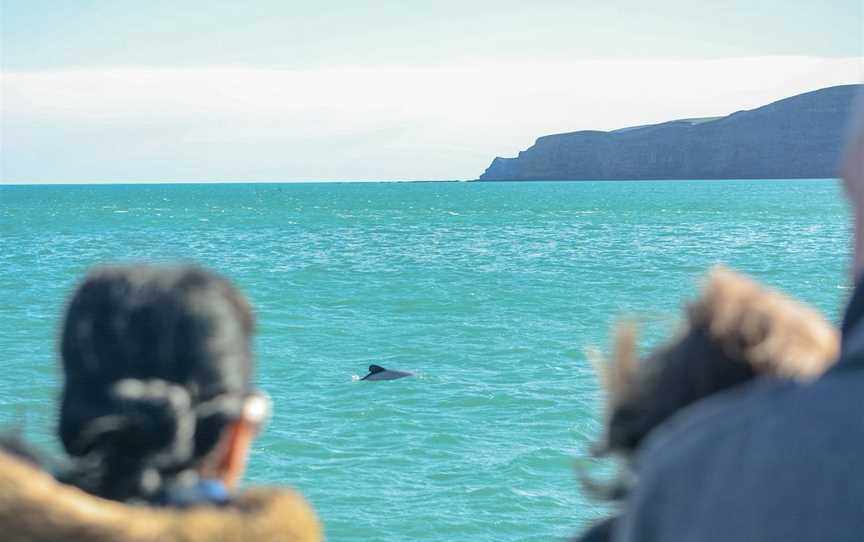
(776, 334)
(620, 377)
(735, 331)
(36, 508)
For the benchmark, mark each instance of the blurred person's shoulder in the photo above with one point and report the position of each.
(36, 507)
(761, 458)
(728, 415)
(765, 417)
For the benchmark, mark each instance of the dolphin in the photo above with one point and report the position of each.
(376, 372)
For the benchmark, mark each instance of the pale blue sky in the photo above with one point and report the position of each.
(50, 34)
(116, 90)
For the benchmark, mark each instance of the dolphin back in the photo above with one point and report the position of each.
(386, 374)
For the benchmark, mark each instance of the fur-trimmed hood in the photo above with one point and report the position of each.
(34, 507)
(736, 331)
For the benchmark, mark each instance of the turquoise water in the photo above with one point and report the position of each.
(489, 292)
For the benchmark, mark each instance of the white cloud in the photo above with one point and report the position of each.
(386, 122)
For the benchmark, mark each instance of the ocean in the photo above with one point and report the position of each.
(490, 292)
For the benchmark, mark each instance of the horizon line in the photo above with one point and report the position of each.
(223, 181)
(361, 181)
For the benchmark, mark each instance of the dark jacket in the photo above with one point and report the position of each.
(599, 532)
(769, 461)
(36, 508)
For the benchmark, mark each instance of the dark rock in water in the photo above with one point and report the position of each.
(798, 137)
(376, 372)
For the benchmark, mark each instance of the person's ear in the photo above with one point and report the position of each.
(237, 441)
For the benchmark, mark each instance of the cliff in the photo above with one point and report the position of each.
(797, 137)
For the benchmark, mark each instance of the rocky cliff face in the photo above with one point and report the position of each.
(798, 137)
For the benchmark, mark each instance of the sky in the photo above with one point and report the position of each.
(193, 90)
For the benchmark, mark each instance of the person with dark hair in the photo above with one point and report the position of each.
(771, 460)
(736, 331)
(158, 410)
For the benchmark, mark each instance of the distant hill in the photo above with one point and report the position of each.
(797, 137)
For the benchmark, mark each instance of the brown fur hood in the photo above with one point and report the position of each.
(736, 331)
(34, 507)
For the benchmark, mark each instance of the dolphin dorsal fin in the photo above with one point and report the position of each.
(376, 369)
